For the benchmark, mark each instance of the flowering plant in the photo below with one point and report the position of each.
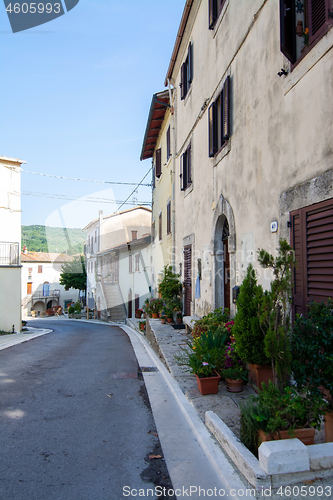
(201, 367)
(306, 36)
(231, 358)
(229, 326)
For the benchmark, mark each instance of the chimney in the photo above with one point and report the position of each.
(25, 250)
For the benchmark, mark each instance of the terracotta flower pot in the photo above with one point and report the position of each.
(169, 320)
(179, 321)
(137, 316)
(163, 321)
(154, 315)
(329, 427)
(234, 385)
(259, 374)
(208, 385)
(142, 327)
(305, 435)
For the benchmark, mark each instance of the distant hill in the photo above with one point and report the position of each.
(53, 239)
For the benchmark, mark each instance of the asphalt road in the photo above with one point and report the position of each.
(75, 418)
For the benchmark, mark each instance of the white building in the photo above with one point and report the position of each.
(10, 244)
(119, 262)
(41, 289)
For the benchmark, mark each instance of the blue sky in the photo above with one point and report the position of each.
(75, 97)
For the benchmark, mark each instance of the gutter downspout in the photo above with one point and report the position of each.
(173, 151)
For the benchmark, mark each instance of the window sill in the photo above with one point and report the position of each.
(186, 98)
(188, 190)
(308, 61)
(222, 153)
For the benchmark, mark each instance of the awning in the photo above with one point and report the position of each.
(159, 105)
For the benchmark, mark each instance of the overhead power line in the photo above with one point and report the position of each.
(86, 180)
(84, 200)
(140, 184)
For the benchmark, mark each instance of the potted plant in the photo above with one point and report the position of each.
(204, 356)
(170, 286)
(77, 310)
(312, 354)
(138, 313)
(142, 325)
(146, 308)
(206, 375)
(280, 415)
(214, 321)
(155, 307)
(163, 317)
(235, 378)
(179, 318)
(71, 312)
(169, 314)
(249, 335)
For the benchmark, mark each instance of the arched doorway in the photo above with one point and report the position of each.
(222, 264)
(223, 254)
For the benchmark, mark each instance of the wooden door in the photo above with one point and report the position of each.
(226, 262)
(188, 279)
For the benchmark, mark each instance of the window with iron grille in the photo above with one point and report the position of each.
(186, 76)
(302, 24)
(214, 10)
(186, 168)
(219, 120)
(169, 217)
(134, 235)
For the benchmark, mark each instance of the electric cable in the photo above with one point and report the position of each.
(124, 202)
(86, 180)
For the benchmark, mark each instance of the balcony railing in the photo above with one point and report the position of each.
(45, 294)
(9, 254)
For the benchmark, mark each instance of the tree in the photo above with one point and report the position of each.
(74, 274)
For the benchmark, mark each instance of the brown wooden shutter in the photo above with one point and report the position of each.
(183, 77)
(169, 217)
(318, 17)
(158, 162)
(319, 241)
(190, 64)
(153, 231)
(212, 13)
(130, 264)
(137, 301)
(160, 226)
(188, 278)
(312, 240)
(129, 304)
(189, 165)
(226, 109)
(288, 29)
(212, 125)
(168, 143)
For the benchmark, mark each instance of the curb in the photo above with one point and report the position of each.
(227, 474)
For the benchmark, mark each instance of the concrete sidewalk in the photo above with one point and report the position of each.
(17, 338)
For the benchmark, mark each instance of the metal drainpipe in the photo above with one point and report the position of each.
(173, 149)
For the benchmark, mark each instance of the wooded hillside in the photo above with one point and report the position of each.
(53, 239)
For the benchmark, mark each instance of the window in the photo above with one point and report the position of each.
(134, 235)
(160, 226)
(187, 72)
(215, 8)
(40, 269)
(137, 301)
(95, 236)
(130, 264)
(153, 176)
(153, 231)
(158, 163)
(186, 169)
(169, 217)
(219, 120)
(168, 143)
(137, 262)
(302, 24)
(30, 270)
(29, 288)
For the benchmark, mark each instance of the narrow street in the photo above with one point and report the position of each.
(75, 417)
